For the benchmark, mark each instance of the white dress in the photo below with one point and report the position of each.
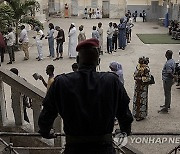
(72, 43)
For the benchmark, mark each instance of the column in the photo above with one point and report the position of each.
(17, 106)
(3, 114)
(36, 106)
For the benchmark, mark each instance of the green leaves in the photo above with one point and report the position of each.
(32, 22)
(6, 17)
(19, 12)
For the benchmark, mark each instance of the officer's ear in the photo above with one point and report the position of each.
(77, 59)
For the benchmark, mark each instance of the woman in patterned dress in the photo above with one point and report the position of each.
(140, 101)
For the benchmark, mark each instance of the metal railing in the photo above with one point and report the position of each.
(8, 147)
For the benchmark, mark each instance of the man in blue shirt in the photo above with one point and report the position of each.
(167, 77)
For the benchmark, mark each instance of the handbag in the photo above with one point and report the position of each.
(151, 81)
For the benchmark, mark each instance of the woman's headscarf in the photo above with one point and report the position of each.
(117, 68)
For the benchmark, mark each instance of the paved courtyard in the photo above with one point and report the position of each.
(128, 58)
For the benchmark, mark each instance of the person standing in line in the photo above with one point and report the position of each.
(50, 73)
(50, 37)
(114, 38)
(39, 36)
(129, 13)
(81, 36)
(90, 13)
(10, 40)
(60, 39)
(109, 38)
(85, 13)
(144, 16)
(27, 102)
(98, 14)
(88, 101)
(135, 14)
(23, 38)
(95, 33)
(167, 77)
(117, 68)
(100, 31)
(140, 101)
(72, 41)
(2, 47)
(122, 34)
(129, 26)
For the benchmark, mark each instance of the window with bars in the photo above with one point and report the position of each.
(51, 3)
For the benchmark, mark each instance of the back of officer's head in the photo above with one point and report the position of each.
(88, 52)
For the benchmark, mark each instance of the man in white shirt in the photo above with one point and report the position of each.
(10, 40)
(109, 38)
(24, 40)
(38, 38)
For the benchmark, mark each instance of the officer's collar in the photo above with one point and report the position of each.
(87, 67)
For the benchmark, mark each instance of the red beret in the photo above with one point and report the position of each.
(88, 43)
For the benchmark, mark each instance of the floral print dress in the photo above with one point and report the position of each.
(140, 101)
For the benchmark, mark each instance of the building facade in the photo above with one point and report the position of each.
(156, 8)
(108, 8)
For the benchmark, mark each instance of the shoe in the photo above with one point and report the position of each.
(178, 84)
(49, 56)
(25, 58)
(123, 48)
(61, 57)
(13, 60)
(39, 59)
(55, 59)
(9, 63)
(163, 111)
(163, 106)
(114, 50)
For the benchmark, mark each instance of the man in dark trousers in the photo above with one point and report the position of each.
(167, 77)
(60, 39)
(88, 102)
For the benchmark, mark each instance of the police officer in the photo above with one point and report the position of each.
(88, 102)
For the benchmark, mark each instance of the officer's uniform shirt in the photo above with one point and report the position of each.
(88, 101)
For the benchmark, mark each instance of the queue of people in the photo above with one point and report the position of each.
(174, 29)
(118, 35)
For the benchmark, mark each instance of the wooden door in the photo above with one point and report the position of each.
(105, 9)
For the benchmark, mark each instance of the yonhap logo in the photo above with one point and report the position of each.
(121, 139)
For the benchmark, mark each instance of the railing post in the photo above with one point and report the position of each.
(17, 106)
(36, 106)
(58, 129)
(3, 113)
